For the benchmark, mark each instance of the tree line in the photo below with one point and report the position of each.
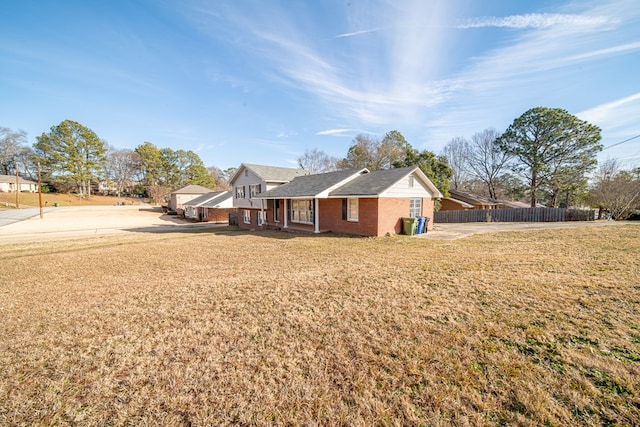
(73, 159)
(546, 155)
(549, 156)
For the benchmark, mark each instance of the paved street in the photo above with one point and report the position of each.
(73, 221)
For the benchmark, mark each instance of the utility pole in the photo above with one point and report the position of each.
(17, 187)
(40, 190)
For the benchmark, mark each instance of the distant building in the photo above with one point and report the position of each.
(8, 184)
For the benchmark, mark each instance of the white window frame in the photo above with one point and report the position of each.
(262, 217)
(415, 207)
(246, 216)
(302, 211)
(240, 192)
(353, 209)
(254, 190)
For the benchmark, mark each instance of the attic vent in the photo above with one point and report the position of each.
(411, 181)
(246, 172)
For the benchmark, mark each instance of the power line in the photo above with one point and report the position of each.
(621, 142)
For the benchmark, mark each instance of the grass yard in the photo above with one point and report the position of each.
(8, 200)
(229, 327)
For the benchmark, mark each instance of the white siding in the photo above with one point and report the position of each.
(228, 203)
(250, 179)
(403, 189)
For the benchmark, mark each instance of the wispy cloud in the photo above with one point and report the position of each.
(615, 114)
(534, 67)
(342, 132)
(536, 20)
(357, 33)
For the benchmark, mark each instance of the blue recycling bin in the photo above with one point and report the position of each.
(422, 221)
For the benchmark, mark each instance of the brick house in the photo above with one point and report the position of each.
(250, 180)
(461, 200)
(211, 207)
(185, 194)
(352, 201)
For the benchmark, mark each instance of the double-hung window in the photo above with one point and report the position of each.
(352, 210)
(254, 189)
(415, 208)
(240, 192)
(246, 216)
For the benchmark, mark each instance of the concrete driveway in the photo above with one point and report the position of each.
(19, 225)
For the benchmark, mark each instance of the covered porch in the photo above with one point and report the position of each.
(292, 214)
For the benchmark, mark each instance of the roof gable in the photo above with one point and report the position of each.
(192, 189)
(312, 185)
(376, 183)
(269, 173)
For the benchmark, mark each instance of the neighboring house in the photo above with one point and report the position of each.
(185, 194)
(251, 180)
(353, 201)
(8, 184)
(461, 200)
(509, 204)
(211, 207)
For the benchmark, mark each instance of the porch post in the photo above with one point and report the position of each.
(261, 212)
(285, 213)
(316, 214)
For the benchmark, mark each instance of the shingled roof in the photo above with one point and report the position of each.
(311, 185)
(345, 183)
(271, 173)
(376, 183)
(201, 200)
(192, 189)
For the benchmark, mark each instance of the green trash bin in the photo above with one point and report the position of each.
(409, 226)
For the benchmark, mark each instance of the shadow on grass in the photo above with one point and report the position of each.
(183, 227)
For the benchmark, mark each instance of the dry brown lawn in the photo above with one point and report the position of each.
(229, 327)
(63, 199)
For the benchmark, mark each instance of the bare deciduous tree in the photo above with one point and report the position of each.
(457, 153)
(616, 190)
(317, 161)
(14, 151)
(485, 161)
(121, 168)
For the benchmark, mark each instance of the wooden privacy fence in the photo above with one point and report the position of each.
(515, 215)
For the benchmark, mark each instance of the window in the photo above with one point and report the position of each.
(276, 210)
(255, 189)
(246, 216)
(302, 211)
(261, 217)
(415, 208)
(352, 209)
(240, 192)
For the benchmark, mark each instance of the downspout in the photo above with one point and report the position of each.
(316, 214)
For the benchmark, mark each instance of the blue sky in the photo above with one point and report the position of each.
(261, 81)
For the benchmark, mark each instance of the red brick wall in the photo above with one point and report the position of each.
(427, 210)
(376, 217)
(391, 213)
(331, 217)
(219, 215)
(254, 218)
